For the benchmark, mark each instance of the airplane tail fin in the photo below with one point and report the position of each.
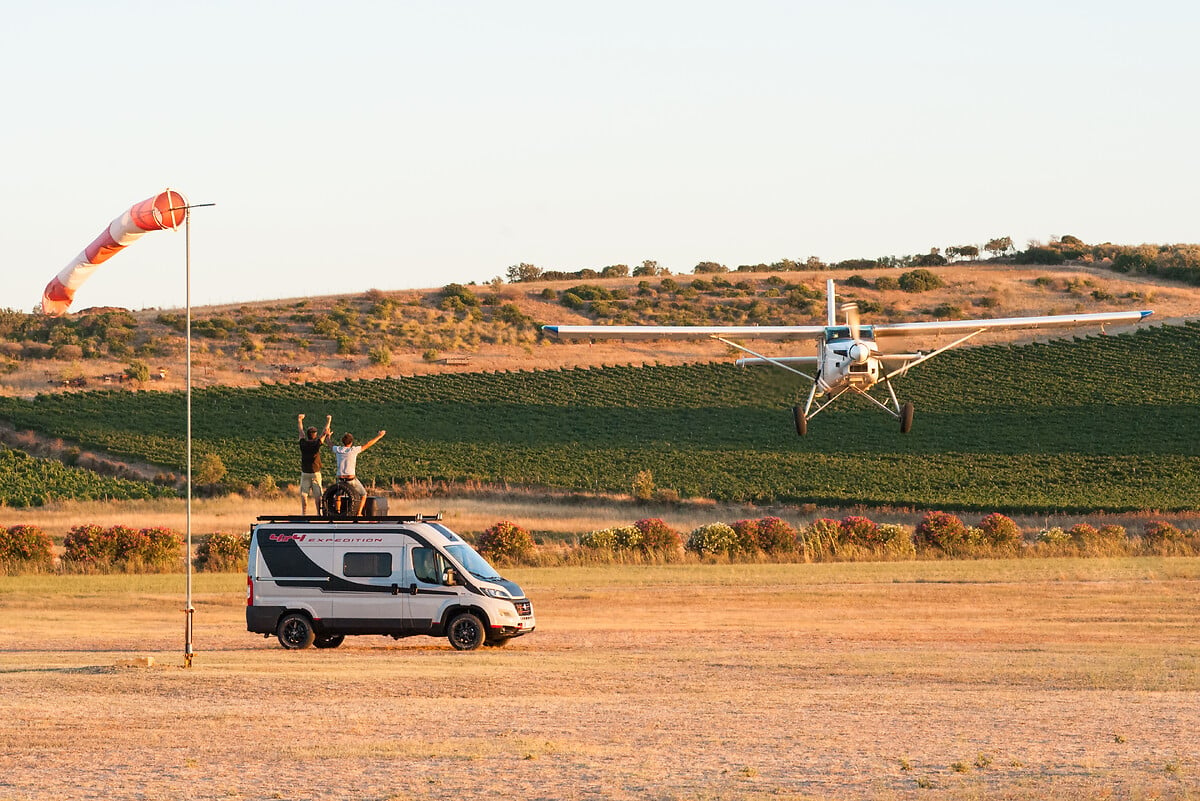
(831, 305)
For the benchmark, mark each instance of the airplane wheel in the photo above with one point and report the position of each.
(801, 420)
(906, 416)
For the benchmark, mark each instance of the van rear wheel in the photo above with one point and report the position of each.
(295, 631)
(465, 632)
(329, 641)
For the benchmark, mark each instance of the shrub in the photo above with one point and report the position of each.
(222, 552)
(25, 547)
(775, 535)
(920, 281)
(747, 534)
(1053, 536)
(90, 545)
(1083, 534)
(657, 536)
(1160, 531)
(941, 530)
(161, 548)
(896, 540)
(600, 539)
(505, 540)
(859, 530)
(627, 537)
(820, 538)
(713, 538)
(643, 485)
(1000, 531)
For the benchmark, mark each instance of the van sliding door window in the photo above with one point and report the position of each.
(367, 565)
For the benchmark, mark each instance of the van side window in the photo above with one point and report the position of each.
(367, 565)
(427, 567)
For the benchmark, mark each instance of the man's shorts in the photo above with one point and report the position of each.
(356, 487)
(310, 484)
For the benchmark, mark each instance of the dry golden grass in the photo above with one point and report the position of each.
(1016, 680)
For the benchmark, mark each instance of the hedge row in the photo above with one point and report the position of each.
(91, 548)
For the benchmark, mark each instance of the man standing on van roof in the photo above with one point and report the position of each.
(346, 455)
(310, 462)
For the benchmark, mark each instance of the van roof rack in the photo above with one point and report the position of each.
(326, 519)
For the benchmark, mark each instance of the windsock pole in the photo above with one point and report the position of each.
(189, 610)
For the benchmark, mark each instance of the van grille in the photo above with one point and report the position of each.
(524, 608)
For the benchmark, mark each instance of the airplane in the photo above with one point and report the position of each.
(849, 360)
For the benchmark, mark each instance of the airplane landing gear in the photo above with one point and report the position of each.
(801, 420)
(906, 416)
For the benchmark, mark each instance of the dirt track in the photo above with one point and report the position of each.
(724, 682)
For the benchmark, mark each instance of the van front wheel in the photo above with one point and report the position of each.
(465, 632)
(295, 631)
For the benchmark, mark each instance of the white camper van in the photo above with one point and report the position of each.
(312, 581)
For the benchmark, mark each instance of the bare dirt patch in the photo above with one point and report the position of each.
(923, 680)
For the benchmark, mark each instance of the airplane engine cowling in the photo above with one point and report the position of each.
(859, 353)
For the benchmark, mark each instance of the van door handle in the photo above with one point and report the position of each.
(395, 589)
(412, 588)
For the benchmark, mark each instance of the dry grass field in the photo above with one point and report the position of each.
(930, 680)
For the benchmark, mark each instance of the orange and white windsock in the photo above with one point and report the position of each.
(165, 210)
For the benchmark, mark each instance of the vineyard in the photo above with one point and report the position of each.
(1104, 422)
(28, 481)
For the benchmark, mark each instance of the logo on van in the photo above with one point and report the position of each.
(286, 537)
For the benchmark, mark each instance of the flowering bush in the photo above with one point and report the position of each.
(1113, 533)
(658, 536)
(627, 537)
(859, 530)
(162, 547)
(89, 544)
(775, 535)
(222, 552)
(1160, 531)
(25, 547)
(122, 547)
(712, 539)
(896, 539)
(505, 540)
(1053, 536)
(941, 530)
(746, 532)
(1000, 531)
(600, 539)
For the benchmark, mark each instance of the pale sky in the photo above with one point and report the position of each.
(391, 145)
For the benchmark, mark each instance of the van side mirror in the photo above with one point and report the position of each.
(448, 578)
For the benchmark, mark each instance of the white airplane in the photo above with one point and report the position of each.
(848, 359)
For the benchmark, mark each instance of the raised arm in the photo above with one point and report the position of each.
(373, 440)
(328, 427)
(300, 424)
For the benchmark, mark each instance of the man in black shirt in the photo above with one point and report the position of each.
(310, 462)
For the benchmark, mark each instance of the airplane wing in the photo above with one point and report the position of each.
(776, 333)
(1049, 321)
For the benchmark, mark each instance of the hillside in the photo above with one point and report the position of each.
(493, 327)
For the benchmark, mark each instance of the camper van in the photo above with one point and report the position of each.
(311, 581)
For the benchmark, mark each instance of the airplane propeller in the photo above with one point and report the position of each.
(851, 310)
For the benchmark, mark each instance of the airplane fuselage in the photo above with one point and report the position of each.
(846, 362)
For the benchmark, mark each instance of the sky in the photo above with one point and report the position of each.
(390, 145)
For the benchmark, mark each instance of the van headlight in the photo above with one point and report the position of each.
(496, 592)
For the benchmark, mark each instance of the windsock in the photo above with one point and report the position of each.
(165, 210)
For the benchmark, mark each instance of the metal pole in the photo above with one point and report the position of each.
(189, 610)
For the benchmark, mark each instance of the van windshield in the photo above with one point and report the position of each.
(475, 564)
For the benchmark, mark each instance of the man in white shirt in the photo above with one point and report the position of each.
(346, 456)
